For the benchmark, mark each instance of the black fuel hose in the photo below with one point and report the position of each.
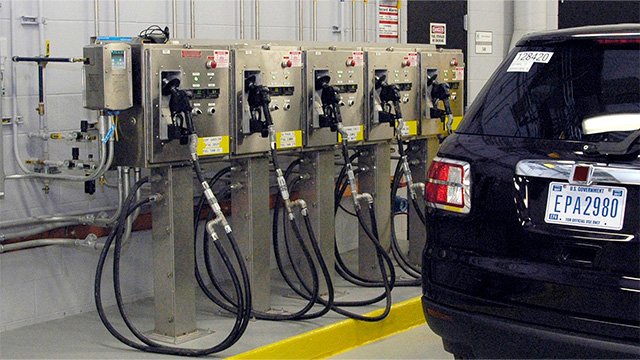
(116, 234)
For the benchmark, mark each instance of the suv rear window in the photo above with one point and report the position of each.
(582, 79)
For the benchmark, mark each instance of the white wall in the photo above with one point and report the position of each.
(497, 16)
(42, 284)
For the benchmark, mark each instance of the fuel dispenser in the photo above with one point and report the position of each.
(178, 112)
(441, 109)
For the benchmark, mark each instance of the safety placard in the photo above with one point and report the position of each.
(354, 133)
(221, 57)
(458, 73)
(358, 58)
(412, 59)
(388, 22)
(214, 145)
(409, 128)
(289, 139)
(296, 58)
(524, 60)
(438, 33)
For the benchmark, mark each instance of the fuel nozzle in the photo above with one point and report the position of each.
(390, 100)
(180, 107)
(441, 92)
(331, 103)
(258, 98)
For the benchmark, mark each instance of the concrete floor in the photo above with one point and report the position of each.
(83, 335)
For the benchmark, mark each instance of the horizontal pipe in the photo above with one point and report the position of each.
(45, 59)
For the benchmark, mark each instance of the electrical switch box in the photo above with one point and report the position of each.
(108, 76)
(344, 70)
(399, 68)
(278, 69)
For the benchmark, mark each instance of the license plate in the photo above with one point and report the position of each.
(592, 206)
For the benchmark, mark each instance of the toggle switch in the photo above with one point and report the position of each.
(351, 102)
(274, 107)
(211, 110)
(196, 111)
(287, 106)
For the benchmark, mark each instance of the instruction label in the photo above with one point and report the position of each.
(214, 145)
(289, 139)
(524, 60)
(358, 58)
(354, 133)
(221, 57)
(412, 58)
(296, 58)
(458, 73)
(410, 128)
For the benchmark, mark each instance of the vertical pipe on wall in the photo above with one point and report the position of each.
(315, 20)
(2, 62)
(377, 19)
(300, 20)
(174, 19)
(96, 17)
(256, 16)
(192, 18)
(116, 16)
(241, 11)
(365, 30)
(398, 6)
(42, 114)
(342, 26)
(353, 20)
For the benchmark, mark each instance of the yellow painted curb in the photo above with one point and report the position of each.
(342, 336)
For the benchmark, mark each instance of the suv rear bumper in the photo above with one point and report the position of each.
(482, 336)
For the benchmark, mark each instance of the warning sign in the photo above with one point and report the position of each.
(438, 33)
(296, 58)
(221, 57)
(388, 22)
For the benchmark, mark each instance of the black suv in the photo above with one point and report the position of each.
(534, 205)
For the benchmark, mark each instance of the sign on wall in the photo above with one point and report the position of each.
(438, 33)
(484, 42)
(388, 22)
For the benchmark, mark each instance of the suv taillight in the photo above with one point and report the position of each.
(449, 185)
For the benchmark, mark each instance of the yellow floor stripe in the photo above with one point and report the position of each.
(342, 336)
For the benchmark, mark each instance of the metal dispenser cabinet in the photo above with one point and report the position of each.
(280, 70)
(441, 68)
(148, 137)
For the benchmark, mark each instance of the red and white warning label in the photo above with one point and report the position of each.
(388, 22)
(358, 58)
(411, 59)
(296, 58)
(221, 57)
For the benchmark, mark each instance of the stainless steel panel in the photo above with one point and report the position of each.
(402, 68)
(173, 257)
(251, 224)
(444, 62)
(108, 76)
(270, 64)
(345, 68)
(375, 181)
(142, 129)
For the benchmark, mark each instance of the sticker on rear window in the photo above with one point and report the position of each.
(524, 60)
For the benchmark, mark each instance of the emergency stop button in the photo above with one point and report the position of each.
(287, 63)
(212, 64)
(351, 62)
(406, 63)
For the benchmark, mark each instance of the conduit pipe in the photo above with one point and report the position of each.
(353, 20)
(174, 19)
(241, 11)
(192, 20)
(256, 16)
(116, 16)
(399, 7)
(315, 20)
(96, 17)
(300, 20)
(365, 30)
(376, 22)
(342, 26)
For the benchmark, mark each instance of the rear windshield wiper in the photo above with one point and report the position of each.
(613, 148)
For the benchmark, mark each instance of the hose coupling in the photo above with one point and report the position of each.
(211, 230)
(157, 197)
